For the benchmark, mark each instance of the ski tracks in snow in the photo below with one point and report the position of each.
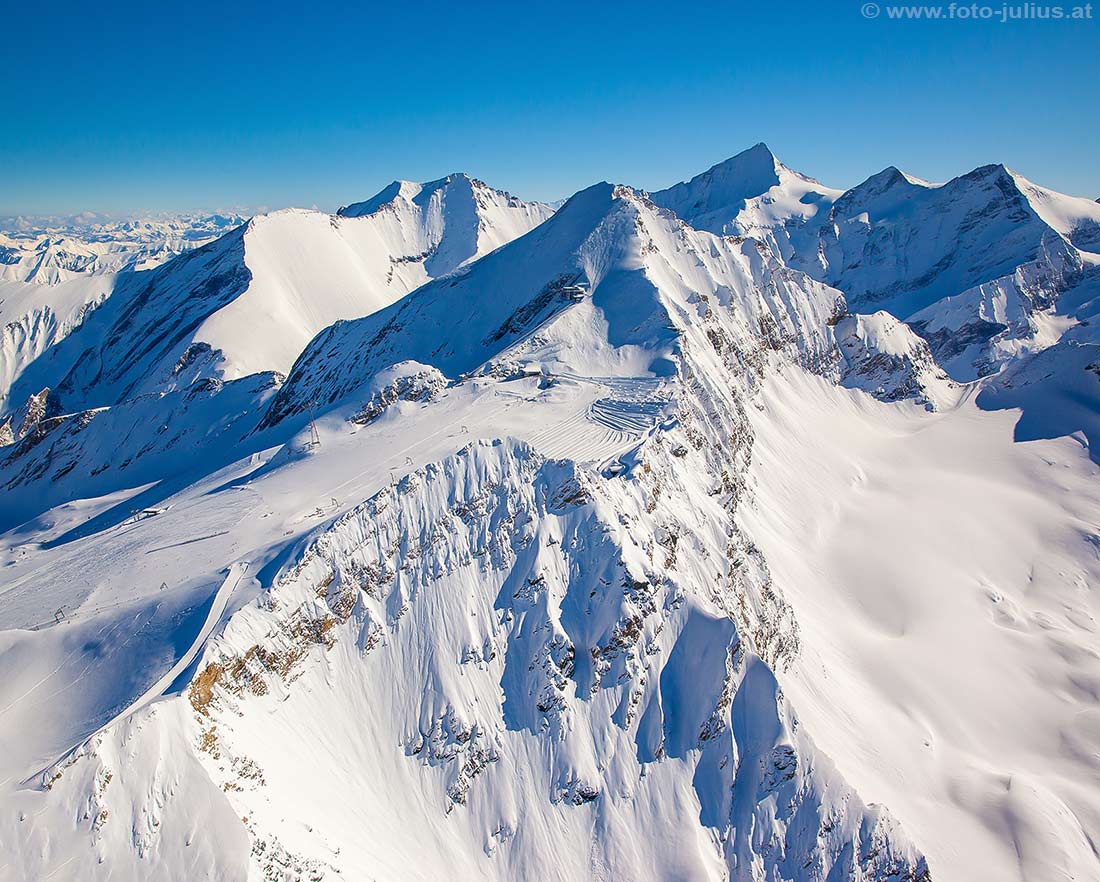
(627, 410)
(218, 606)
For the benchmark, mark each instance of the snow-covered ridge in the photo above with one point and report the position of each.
(250, 301)
(935, 254)
(52, 250)
(602, 286)
(623, 549)
(904, 244)
(555, 674)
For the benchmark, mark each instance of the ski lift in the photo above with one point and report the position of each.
(314, 435)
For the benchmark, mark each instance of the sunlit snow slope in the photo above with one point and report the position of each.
(251, 300)
(624, 546)
(986, 267)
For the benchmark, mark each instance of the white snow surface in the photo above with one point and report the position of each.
(252, 300)
(751, 194)
(50, 250)
(983, 265)
(944, 581)
(607, 547)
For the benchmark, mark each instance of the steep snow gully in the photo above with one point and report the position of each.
(742, 531)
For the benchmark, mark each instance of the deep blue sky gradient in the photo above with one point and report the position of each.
(128, 106)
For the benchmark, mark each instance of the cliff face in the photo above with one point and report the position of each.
(628, 550)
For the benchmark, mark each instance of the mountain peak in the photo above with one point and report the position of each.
(880, 192)
(889, 177)
(758, 156)
(409, 191)
(454, 177)
(391, 192)
(760, 152)
(723, 190)
(743, 192)
(421, 193)
(749, 173)
(994, 172)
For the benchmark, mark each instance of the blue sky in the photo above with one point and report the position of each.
(120, 106)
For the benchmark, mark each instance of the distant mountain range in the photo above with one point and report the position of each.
(743, 530)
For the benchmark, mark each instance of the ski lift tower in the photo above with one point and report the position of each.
(314, 435)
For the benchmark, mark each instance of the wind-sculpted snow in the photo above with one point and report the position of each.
(536, 690)
(1057, 392)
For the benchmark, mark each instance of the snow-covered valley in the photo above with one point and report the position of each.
(746, 530)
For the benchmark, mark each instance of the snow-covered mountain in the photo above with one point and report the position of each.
(250, 301)
(751, 194)
(55, 270)
(50, 250)
(619, 545)
(984, 267)
(461, 217)
(978, 265)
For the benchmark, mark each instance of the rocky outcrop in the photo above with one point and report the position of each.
(884, 357)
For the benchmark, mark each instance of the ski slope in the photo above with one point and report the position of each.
(608, 543)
